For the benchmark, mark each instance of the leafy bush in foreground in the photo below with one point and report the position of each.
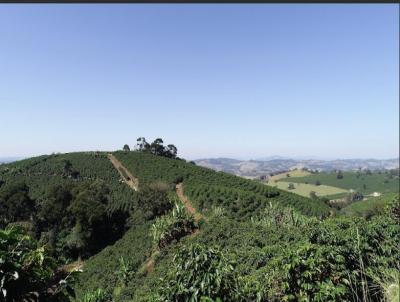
(337, 259)
(97, 296)
(200, 271)
(172, 226)
(273, 215)
(312, 273)
(23, 269)
(27, 273)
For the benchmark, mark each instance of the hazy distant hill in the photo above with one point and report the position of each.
(8, 159)
(263, 167)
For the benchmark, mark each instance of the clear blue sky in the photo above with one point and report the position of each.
(242, 81)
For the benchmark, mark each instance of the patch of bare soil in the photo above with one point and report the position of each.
(188, 205)
(127, 176)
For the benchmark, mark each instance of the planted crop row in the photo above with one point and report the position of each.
(43, 172)
(215, 188)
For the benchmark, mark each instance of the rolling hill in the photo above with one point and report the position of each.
(257, 168)
(145, 227)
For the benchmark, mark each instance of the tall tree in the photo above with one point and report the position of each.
(157, 147)
(67, 167)
(172, 151)
(88, 209)
(15, 203)
(142, 145)
(153, 200)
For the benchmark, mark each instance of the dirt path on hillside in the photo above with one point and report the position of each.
(188, 205)
(127, 176)
(149, 263)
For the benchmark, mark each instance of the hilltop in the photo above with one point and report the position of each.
(148, 226)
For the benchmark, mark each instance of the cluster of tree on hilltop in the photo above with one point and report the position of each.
(156, 147)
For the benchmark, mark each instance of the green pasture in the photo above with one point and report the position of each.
(366, 184)
(305, 189)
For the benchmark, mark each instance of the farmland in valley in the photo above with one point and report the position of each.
(305, 189)
(357, 181)
(371, 206)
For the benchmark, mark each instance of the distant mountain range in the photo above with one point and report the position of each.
(4, 160)
(275, 164)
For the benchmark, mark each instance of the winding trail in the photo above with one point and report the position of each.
(186, 202)
(133, 182)
(149, 264)
(127, 176)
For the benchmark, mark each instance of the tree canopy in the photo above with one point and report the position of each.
(15, 203)
(156, 147)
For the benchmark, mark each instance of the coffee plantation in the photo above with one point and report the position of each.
(73, 230)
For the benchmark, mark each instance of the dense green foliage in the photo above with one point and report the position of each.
(98, 295)
(255, 243)
(364, 182)
(200, 272)
(15, 203)
(153, 200)
(207, 188)
(339, 259)
(171, 227)
(101, 271)
(74, 202)
(370, 207)
(243, 204)
(27, 272)
(41, 173)
(72, 221)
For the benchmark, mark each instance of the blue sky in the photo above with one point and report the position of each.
(241, 81)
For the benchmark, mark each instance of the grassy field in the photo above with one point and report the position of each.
(305, 189)
(294, 173)
(336, 196)
(365, 184)
(372, 206)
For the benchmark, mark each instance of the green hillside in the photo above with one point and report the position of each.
(43, 172)
(186, 233)
(207, 188)
(369, 207)
(361, 182)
